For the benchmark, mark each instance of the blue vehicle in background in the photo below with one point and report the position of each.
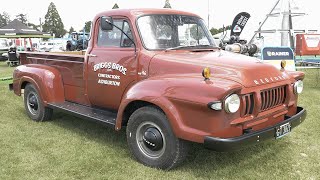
(77, 41)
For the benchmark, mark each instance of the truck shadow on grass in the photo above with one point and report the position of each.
(199, 159)
(92, 130)
(247, 159)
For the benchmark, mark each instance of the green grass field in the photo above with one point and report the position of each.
(5, 70)
(71, 148)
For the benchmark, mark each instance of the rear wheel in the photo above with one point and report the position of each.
(34, 105)
(152, 141)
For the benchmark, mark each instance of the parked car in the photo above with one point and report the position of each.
(4, 48)
(46, 46)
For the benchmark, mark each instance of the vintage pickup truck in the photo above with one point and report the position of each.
(158, 74)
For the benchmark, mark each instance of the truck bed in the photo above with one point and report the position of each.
(73, 56)
(70, 66)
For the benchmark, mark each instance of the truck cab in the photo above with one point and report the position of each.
(158, 74)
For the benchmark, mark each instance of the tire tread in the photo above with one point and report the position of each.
(45, 112)
(182, 145)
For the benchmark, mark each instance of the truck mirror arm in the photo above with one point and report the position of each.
(135, 46)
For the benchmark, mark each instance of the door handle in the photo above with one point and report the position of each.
(92, 55)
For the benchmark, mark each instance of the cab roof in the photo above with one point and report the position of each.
(131, 13)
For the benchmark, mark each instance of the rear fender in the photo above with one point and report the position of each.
(46, 79)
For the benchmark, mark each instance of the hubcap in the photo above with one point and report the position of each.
(153, 139)
(33, 103)
(150, 140)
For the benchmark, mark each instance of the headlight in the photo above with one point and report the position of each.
(298, 87)
(232, 103)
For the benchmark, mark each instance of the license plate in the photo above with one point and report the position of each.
(283, 130)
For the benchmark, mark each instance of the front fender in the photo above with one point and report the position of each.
(46, 79)
(183, 99)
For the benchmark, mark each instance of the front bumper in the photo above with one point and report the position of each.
(230, 144)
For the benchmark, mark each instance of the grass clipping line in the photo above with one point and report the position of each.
(6, 78)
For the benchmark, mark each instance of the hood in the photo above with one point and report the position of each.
(247, 71)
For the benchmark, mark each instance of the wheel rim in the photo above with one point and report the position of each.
(33, 103)
(150, 140)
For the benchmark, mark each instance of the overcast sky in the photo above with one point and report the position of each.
(75, 13)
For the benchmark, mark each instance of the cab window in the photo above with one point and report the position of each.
(116, 38)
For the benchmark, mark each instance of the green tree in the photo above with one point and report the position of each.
(22, 18)
(115, 6)
(53, 23)
(167, 4)
(71, 30)
(4, 19)
(196, 32)
(217, 31)
(33, 26)
(87, 26)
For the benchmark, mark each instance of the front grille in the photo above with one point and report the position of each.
(273, 97)
(248, 102)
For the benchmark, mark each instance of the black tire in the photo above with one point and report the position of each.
(34, 105)
(163, 150)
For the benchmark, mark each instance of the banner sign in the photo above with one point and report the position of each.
(312, 40)
(274, 56)
(277, 53)
(239, 23)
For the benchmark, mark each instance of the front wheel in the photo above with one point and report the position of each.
(34, 105)
(152, 141)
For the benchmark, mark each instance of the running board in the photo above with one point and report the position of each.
(106, 117)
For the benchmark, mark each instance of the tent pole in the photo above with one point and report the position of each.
(30, 41)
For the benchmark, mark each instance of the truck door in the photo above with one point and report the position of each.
(112, 66)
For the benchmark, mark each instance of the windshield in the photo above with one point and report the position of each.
(169, 31)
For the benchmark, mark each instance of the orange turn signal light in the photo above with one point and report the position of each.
(206, 73)
(283, 64)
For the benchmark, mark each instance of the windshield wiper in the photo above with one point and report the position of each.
(189, 47)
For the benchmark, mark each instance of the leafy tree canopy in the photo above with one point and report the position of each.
(53, 23)
(71, 30)
(167, 4)
(87, 26)
(33, 26)
(4, 19)
(115, 6)
(217, 31)
(22, 18)
(196, 32)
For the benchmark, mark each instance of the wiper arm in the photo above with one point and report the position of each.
(193, 46)
(177, 47)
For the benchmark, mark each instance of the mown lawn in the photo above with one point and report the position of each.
(5, 70)
(71, 148)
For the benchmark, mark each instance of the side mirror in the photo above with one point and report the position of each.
(106, 23)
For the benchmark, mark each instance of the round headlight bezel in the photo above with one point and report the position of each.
(298, 87)
(232, 103)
